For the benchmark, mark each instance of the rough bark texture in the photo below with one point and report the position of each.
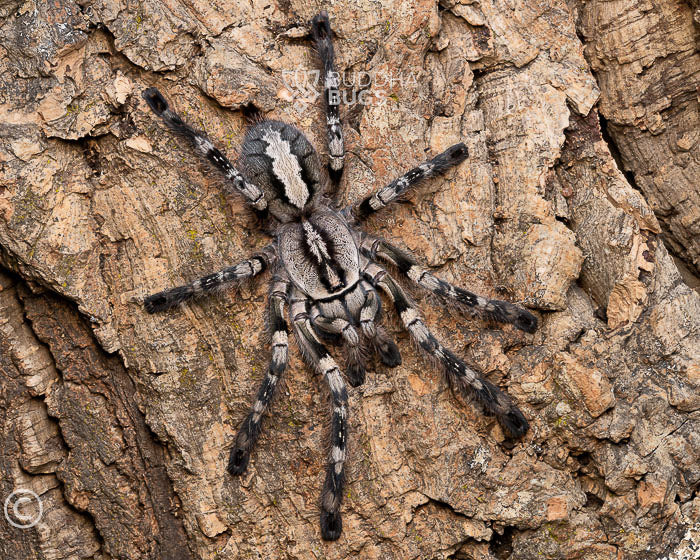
(645, 58)
(582, 123)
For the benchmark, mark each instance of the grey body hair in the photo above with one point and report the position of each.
(320, 254)
(326, 275)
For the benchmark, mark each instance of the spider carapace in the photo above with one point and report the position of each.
(326, 273)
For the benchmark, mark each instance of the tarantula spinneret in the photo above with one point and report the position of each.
(326, 273)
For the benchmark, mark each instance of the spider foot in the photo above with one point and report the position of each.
(164, 300)
(497, 403)
(526, 321)
(155, 303)
(238, 461)
(389, 354)
(155, 100)
(321, 25)
(355, 374)
(514, 423)
(331, 525)
(457, 153)
(506, 312)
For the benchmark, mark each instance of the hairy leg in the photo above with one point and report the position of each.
(250, 429)
(207, 284)
(355, 365)
(381, 341)
(321, 32)
(459, 375)
(454, 155)
(497, 310)
(318, 357)
(203, 146)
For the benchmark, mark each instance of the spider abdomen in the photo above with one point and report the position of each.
(281, 161)
(320, 255)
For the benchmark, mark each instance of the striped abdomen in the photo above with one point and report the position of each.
(280, 160)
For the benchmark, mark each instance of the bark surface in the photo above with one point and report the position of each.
(580, 200)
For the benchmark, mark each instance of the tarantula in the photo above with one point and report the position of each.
(327, 271)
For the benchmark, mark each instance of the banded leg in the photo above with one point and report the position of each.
(318, 357)
(454, 155)
(212, 282)
(321, 32)
(459, 375)
(385, 347)
(355, 365)
(250, 429)
(496, 310)
(203, 146)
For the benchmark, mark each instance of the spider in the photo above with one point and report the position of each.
(326, 273)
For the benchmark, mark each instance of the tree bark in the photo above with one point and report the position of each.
(581, 120)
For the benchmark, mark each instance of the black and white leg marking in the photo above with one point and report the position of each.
(355, 365)
(321, 32)
(454, 155)
(203, 145)
(250, 429)
(338, 325)
(370, 310)
(212, 282)
(382, 343)
(459, 375)
(496, 310)
(317, 355)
